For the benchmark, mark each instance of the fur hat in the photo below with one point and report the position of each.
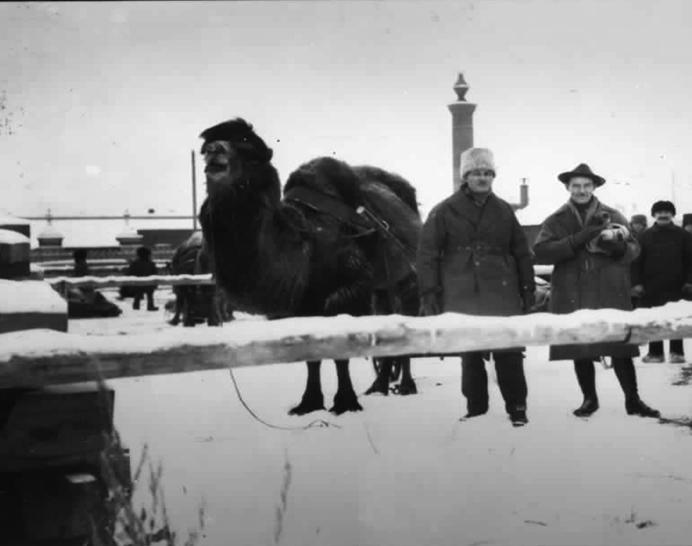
(582, 170)
(662, 206)
(476, 158)
(639, 219)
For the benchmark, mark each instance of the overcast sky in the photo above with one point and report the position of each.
(101, 103)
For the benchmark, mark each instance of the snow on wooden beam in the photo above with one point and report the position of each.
(43, 357)
(127, 280)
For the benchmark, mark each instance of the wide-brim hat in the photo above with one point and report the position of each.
(581, 170)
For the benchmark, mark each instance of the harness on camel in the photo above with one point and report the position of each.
(394, 260)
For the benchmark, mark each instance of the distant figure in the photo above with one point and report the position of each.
(81, 268)
(591, 249)
(663, 272)
(687, 222)
(638, 224)
(143, 266)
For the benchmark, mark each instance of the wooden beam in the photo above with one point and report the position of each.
(126, 280)
(42, 357)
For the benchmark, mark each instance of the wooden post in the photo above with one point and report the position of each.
(194, 192)
(35, 358)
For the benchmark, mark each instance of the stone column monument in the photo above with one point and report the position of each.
(462, 126)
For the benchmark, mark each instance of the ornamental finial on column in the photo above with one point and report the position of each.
(461, 88)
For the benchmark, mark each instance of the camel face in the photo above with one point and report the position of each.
(222, 163)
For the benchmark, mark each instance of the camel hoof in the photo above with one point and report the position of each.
(405, 388)
(378, 387)
(342, 404)
(307, 406)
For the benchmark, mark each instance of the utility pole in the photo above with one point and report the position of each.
(194, 192)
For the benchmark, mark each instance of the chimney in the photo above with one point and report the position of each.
(462, 126)
(523, 196)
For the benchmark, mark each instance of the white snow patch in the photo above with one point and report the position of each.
(29, 297)
(10, 237)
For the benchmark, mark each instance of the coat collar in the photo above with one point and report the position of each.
(592, 209)
(461, 200)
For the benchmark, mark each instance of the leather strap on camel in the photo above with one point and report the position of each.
(392, 264)
(326, 204)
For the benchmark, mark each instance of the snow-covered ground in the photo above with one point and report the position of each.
(406, 471)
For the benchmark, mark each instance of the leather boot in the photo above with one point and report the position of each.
(588, 407)
(637, 407)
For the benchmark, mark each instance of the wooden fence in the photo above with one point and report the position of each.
(62, 284)
(33, 358)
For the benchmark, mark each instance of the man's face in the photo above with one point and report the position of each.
(580, 189)
(663, 217)
(219, 161)
(688, 228)
(480, 180)
(637, 227)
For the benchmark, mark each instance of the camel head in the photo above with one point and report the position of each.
(229, 147)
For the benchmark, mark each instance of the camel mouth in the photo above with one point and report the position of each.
(215, 168)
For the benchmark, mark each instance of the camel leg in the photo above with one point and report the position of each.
(407, 384)
(312, 397)
(187, 310)
(345, 398)
(176, 317)
(381, 383)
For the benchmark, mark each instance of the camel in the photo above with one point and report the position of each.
(341, 240)
(196, 303)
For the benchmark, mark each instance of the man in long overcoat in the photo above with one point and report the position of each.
(663, 271)
(592, 250)
(473, 258)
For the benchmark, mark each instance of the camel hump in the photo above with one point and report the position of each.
(403, 189)
(328, 176)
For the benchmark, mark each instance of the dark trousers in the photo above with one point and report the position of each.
(510, 377)
(675, 346)
(624, 371)
(140, 293)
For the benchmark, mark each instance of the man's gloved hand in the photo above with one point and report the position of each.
(429, 305)
(637, 291)
(582, 237)
(687, 290)
(528, 299)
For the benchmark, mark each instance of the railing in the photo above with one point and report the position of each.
(110, 281)
(34, 358)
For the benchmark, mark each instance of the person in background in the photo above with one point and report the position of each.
(473, 258)
(81, 268)
(143, 266)
(663, 272)
(687, 222)
(638, 224)
(591, 249)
